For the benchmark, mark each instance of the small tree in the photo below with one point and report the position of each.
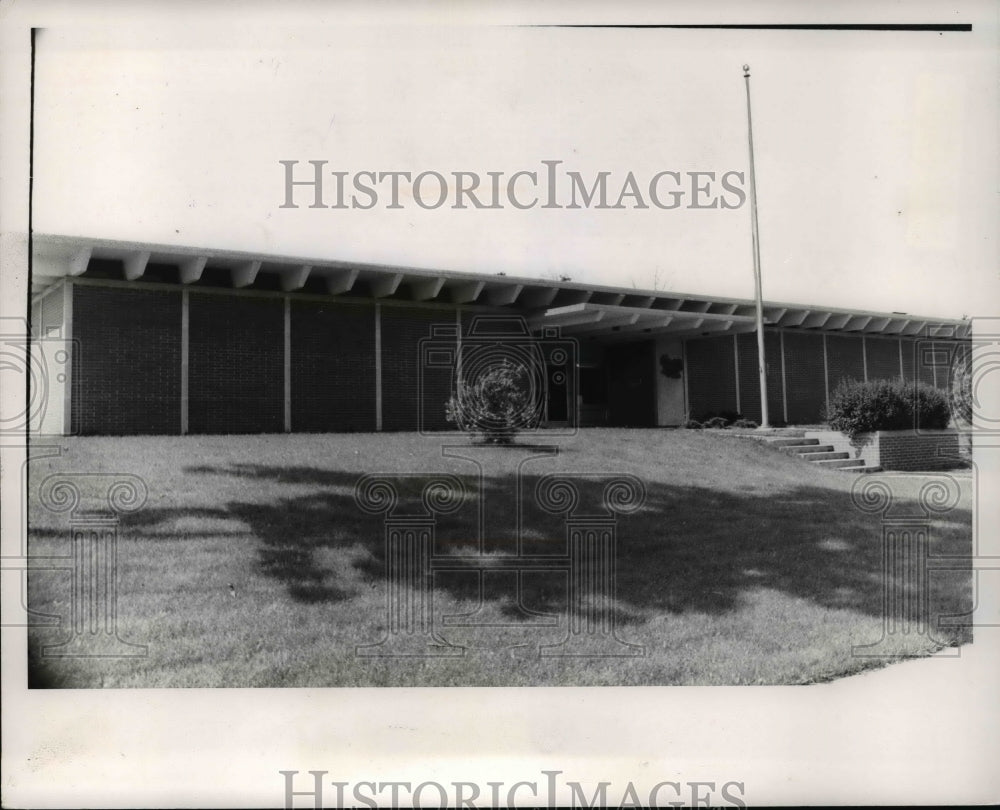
(496, 405)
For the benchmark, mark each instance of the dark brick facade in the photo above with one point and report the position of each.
(805, 382)
(883, 358)
(711, 367)
(750, 376)
(845, 360)
(332, 366)
(127, 373)
(236, 364)
(127, 361)
(402, 409)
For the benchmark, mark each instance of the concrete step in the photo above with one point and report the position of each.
(826, 452)
(792, 441)
(806, 448)
(841, 462)
(874, 468)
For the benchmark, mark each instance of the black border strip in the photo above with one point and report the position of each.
(938, 27)
(27, 320)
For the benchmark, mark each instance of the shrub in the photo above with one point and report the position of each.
(745, 423)
(716, 422)
(862, 407)
(726, 417)
(693, 424)
(496, 405)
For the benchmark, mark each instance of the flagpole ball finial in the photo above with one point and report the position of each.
(746, 70)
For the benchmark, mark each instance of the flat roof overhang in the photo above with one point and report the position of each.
(582, 310)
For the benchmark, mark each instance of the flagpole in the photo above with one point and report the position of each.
(761, 363)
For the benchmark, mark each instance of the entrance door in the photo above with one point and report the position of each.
(559, 388)
(632, 385)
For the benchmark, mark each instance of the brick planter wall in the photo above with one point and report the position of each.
(897, 449)
(911, 450)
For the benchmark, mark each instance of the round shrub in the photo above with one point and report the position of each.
(863, 407)
(745, 423)
(496, 405)
(693, 424)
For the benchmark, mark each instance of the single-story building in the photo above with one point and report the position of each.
(145, 338)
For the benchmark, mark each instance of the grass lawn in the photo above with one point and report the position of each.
(743, 566)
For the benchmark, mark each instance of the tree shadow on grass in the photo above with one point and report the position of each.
(687, 549)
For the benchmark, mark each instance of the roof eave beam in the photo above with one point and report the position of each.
(426, 289)
(504, 296)
(190, 271)
(467, 293)
(295, 278)
(79, 261)
(341, 281)
(386, 285)
(135, 264)
(245, 274)
(537, 297)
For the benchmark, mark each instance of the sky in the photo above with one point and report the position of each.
(875, 152)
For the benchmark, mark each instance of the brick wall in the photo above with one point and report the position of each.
(897, 449)
(845, 360)
(711, 380)
(127, 363)
(883, 358)
(909, 450)
(804, 377)
(332, 366)
(236, 364)
(402, 330)
(750, 378)
(922, 352)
